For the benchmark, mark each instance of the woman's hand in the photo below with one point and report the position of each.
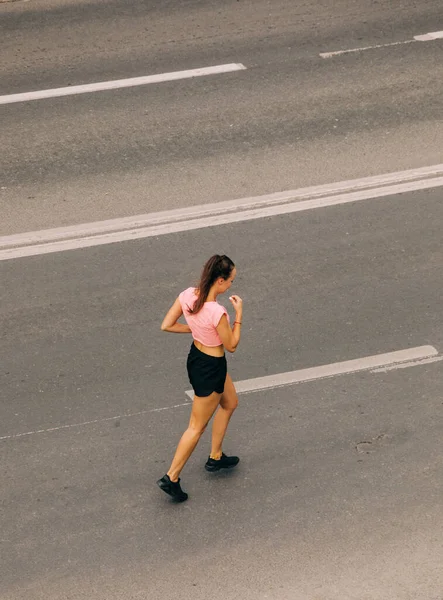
(237, 303)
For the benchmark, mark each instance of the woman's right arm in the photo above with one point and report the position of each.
(172, 316)
(231, 336)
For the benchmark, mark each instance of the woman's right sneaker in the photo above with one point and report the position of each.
(172, 488)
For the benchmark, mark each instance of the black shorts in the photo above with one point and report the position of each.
(206, 373)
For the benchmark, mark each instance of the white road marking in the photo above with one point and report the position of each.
(104, 419)
(219, 213)
(415, 356)
(427, 37)
(120, 83)
(332, 370)
(406, 365)
(339, 52)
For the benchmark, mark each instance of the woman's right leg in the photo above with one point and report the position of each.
(202, 411)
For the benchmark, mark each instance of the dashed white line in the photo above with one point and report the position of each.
(427, 37)
(120, 83)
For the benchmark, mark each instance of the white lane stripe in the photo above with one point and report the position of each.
(331, 370)
(120, 83)
(427, 37)
(104, 419)
(406, 365)
(169, 216)
(251, 385)
(206, 216)
(339, 52)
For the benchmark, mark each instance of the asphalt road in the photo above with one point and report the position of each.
(339, 491)
(338, 495)
(290, 119)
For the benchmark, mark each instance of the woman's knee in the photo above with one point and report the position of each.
(197, 429)
(229, 404)
(234, 403)
(229, 399)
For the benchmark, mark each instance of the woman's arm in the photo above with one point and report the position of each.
(172, 316)
(231, 337)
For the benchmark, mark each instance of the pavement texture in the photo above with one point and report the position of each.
(291, 119)
(338, 495)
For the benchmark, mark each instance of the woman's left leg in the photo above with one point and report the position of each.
(228, 403)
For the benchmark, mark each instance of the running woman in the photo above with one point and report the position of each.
(208, 322)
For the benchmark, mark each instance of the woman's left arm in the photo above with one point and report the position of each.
(172, 316)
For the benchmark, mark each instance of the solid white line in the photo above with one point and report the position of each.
(155, 229)
(331, 370)
(414, 363)
(120, 83)
(427, 37)
(112, 225)
(210, 215)
(115, 418)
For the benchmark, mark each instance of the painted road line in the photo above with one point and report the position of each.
(427, 37)
(409, 357)
(94, 421)
(318, 191)
(120, 83)
(362, 49)
(406, 365)
(221, 213)
(168, 216)
(332, 370)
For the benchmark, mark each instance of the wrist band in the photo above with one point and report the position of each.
(239, 322)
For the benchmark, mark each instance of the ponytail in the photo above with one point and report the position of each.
(217, 266)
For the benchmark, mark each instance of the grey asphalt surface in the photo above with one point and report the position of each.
(291, 119)
(338, 495)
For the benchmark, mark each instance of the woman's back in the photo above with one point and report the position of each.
(204, 323)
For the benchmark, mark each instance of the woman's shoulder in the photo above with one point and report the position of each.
(190, 291)
(217, 308)
(187, 297)
(216, 312)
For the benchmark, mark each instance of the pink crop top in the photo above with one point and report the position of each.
(203, 324)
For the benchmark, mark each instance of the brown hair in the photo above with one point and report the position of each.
(217, 266)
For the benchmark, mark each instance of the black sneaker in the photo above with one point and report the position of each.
(225, 462)
(172, 488)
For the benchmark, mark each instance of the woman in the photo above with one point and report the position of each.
(208, 322)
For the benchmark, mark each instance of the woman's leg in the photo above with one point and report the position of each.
(202, 411)
(228, 403)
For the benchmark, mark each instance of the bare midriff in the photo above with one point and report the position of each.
(211, 350)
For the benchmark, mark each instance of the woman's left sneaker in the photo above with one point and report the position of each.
(224, 462)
